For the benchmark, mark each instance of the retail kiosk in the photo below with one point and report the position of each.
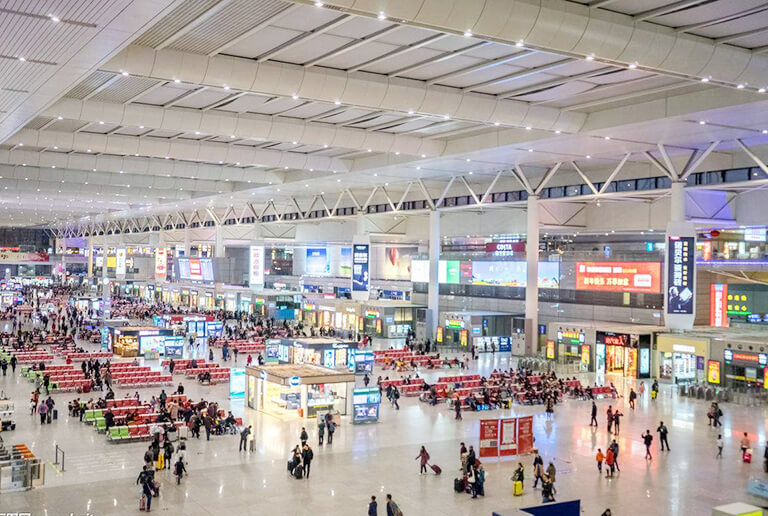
(299, 390)
(146, 341)
(325, 351)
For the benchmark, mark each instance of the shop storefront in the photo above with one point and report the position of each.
(681, 359)
(299, 391)
(133, 341)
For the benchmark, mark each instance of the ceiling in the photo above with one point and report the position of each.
(210, 102)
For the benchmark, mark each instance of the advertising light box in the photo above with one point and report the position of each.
(639, 277)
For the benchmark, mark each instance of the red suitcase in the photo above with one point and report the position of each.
(437, 469)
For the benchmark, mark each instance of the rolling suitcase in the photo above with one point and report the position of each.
(437, 469)
(518, 488)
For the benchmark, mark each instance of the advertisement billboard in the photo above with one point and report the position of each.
(514, 274)
(120, 262)
(718, 315)
(256, 266)
(361, 256)
(680, 274)
(317, 261)
(639, 277)
(161, 263)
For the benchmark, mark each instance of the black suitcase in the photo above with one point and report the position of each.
(298, 473)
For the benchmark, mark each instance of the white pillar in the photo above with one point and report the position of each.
(187, 243)
(433, 290)
(532, 280)
(219, 249)
(677, 202)
(90, 257)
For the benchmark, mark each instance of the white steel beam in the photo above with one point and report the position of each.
(352, 45)
(398, 52)
(439, 59)
(303, 38)
(195, 23)
(522, 74)
(613, 174)
(481, 66)
(256, 29)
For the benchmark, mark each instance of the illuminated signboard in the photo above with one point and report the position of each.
(454, 323)
(641, 277)
(680, 274)
(713, 371)
(551, 349)
(717, 305)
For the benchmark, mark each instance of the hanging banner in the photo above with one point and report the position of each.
(120, 262)
(524, 435)
(161, 264)
(508, 440)
(256, 267)
(361, 258)
(489, 438)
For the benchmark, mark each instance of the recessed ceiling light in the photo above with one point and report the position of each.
(382, 16)
(705, 79)
(467, 33)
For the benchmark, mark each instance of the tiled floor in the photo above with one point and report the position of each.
(379, 459)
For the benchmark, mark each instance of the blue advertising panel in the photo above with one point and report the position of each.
(317, 261)
(360, 263)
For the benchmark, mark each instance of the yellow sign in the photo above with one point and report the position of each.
(551, 349)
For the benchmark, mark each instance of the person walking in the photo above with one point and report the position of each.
(244, 437)
(719, 444)
(304, 437)
(424, 456)
(609, 418)
(647, 440)
(538, 470)
(306, 457)
(615, 448)
(610, 463)
(599, 458)
(392, 508)
(632, 398)
(662, 430)
(373, 507)
(593, 420)
(320, 431)
(745, 445)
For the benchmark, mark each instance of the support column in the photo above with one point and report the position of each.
(677, 202)
(532, 280)
(187, 242)
(90, 257)
(433, 291)
(219, 248)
